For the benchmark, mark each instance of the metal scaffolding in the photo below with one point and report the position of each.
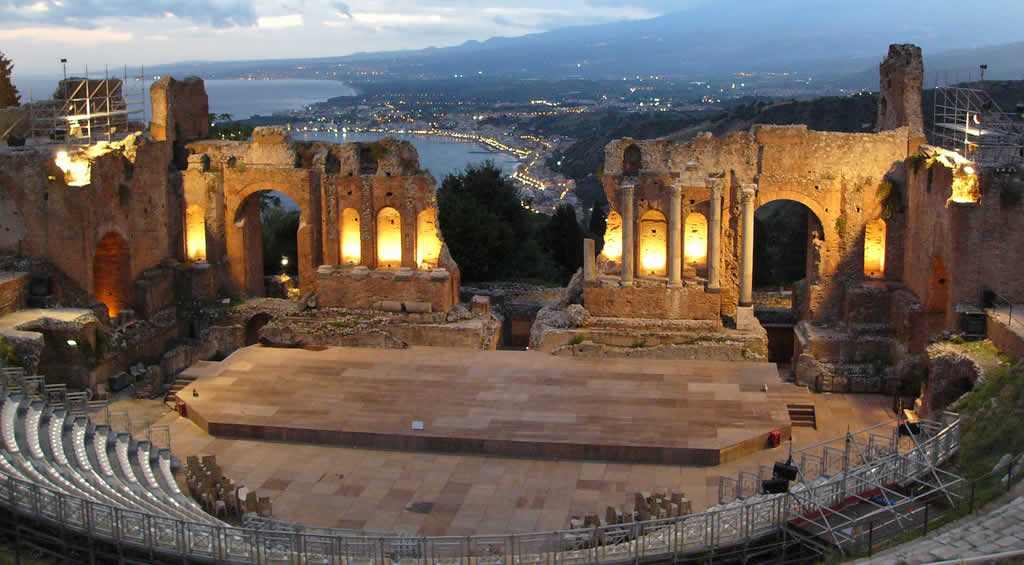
(968, 121)
(87, 110)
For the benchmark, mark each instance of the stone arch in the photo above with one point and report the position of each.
(13, 227)
(351, 237)
(612, 249)
(937, 299)
(245, 241)
(874, 248)
(632, 160)
(112, 273)
(389, 238)
(795, 252)
(428, 244)
(695, 243)
(254, 326)
(653, 241)
(827, 227)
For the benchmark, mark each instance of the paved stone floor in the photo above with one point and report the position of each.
(374, 489)
(505, 403)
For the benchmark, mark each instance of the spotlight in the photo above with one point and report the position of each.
(72, 342)
(284, 261)
(774, 486)
(785, 471)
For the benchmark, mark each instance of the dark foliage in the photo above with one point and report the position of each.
(280, 226)
(563, 239)
(8, 92)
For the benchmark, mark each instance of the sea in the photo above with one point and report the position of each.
(245, 98)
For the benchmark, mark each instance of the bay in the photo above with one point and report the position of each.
(246, 98)
(439, 155)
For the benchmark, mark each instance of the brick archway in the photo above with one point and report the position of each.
(112, 273)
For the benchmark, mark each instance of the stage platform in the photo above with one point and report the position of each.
(507, 403)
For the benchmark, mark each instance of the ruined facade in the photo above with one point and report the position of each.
(367, 236)
(903, 238)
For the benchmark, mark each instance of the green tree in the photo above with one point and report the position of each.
(484, 224)
(8, 92)
(563, 239)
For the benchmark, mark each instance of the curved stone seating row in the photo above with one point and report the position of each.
(71, 455)
(63, 468)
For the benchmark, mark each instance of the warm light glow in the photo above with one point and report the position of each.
(72, 342)
(77, 170)
(966, 189)
(351, 241)
(195, 232)
(389, 239)
(695, 240)
(428, 244)
(612, 249)
(284, 261)
(874, 248)
(653, 230)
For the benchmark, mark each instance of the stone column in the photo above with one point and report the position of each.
(589, 258)
(675, 237)
(628, 252)
(715, 234)
(747, 193)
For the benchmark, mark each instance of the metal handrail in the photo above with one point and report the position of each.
(605, 544)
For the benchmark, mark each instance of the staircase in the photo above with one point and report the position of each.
(802, 415)
(183, 380)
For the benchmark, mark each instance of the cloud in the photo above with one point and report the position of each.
(342, 9)
(280, 22)
(87, 14)
(68, 35)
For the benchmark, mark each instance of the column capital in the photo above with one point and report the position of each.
(716, 184)
(748, 192)
(628, 186)
(676, 190)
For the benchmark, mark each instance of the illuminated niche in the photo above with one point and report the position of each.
(653, 243)
(351, 240)
(389, 239)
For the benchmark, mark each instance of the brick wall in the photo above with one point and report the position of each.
(13, 291)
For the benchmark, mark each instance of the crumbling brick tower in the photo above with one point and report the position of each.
(901, 78)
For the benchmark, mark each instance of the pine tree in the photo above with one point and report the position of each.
(8, 92)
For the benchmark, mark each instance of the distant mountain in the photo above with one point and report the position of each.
(720, 38)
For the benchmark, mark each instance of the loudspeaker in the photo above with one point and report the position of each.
(774, 486)
(784, 471)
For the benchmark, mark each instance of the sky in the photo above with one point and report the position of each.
(36, 34)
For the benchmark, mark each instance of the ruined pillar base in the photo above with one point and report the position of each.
(745, 319)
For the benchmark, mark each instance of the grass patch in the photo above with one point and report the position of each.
(638, 345)
(576, 340)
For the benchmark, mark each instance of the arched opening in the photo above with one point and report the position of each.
(784, 236)
(428, 244)
(695, 245)
(653, 244)
(874, 248)
(937, 300)
(195, 232)
(632, 160)
(112, 282)
(269, 221)
(351, 238)
(254, 327)
(389, 239)
(612, 249)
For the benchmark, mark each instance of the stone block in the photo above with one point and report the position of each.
(745, 319)
(481, 305)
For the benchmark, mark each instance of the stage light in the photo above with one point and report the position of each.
(774, 486)
(786, 471)
(284, 261)
(72, 343)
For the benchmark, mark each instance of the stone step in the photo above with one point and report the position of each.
(802, 415)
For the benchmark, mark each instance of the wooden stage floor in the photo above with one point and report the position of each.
(508, 403)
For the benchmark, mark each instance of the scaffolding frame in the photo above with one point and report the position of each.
(88, 110)
(916, 470)
(969, 122)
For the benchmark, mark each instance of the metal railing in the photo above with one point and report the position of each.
(740, 522)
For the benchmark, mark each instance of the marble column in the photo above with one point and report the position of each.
(628, 251)
(716, 185)
(675, 237)
(589, 259)
(748, 192)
